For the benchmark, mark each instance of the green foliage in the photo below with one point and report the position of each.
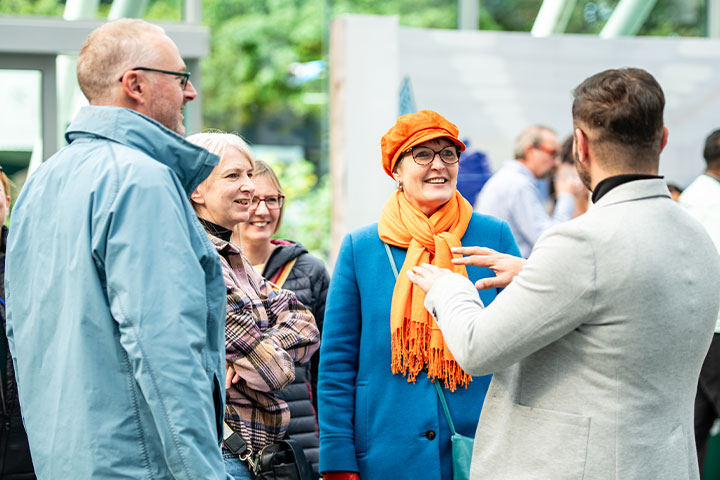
(667, 18)
(51, 8)
(165, 10)
(676, 18)
(253, 44)
(514, 16)
(411, 13)
(307, 208)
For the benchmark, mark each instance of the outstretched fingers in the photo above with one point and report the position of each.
(477, 256)
(504, 266)
(492, 282)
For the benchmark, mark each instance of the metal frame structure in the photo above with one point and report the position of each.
(35, 43)
(627, 17)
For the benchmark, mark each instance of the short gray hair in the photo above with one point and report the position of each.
(109, 51)
(215, 142)
(530, 136)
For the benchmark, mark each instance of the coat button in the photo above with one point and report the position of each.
(430, 435)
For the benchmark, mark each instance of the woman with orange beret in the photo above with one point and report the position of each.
(380, 415)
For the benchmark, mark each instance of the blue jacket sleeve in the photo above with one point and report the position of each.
(156, 289)
(338, 366)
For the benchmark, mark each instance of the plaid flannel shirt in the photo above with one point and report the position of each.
(267, 330)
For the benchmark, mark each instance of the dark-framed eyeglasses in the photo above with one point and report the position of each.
(550, 151)
(184, 76)
(424, 156)
(272, 202)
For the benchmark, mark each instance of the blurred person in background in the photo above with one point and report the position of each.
(512, 194)
(380, 414)
(702, 200)
(567, 170)
(675, 191)
(267, 330)
(15, 460)
(288, 265)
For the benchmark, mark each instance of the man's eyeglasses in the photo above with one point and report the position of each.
(550, 151)
(184, 76)
(272, 202)
(424, 156)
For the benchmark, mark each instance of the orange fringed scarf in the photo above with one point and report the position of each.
(416, 340)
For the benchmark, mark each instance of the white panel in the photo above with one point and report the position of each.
(33, 35)
(364, 100)
(494, 84)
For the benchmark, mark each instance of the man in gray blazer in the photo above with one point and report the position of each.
(597, 344)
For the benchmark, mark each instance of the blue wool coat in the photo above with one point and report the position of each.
(371, 421)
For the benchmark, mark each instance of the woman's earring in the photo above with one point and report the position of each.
(399, 185)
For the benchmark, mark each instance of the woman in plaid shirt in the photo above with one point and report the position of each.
(267, 330)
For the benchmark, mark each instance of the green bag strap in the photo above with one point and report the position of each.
(440, 393)
(445, 407)
(392, 260)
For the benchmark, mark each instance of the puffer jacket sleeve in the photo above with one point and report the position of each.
(320, 281)
(265, 357)
(157, 293)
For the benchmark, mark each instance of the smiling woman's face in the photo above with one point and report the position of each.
(263, 221)
(431, 186)
(224, 197)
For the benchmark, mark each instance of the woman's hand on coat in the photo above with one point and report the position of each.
(425, 275)
(505, 266)
(231, 377)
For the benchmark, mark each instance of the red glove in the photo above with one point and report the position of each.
(340, 476)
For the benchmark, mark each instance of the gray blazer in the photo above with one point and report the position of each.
(596, 346)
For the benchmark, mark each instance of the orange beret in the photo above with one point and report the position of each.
(413, 129)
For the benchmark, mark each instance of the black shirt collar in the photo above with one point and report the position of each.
(611, 182)
(216, 230)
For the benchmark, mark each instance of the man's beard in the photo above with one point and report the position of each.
(169, 117)
(582, 171)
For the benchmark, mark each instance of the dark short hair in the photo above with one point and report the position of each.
(712, 148)
(624, 108)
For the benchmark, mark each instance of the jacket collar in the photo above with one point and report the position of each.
(223, 246)
(191, 164)
(635, 190)
(283, 253)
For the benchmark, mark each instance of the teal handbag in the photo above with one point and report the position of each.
(462, 446)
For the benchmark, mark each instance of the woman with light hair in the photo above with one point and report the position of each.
(267, 330)
(288, 265)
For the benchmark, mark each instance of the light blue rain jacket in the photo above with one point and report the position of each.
(116, 306)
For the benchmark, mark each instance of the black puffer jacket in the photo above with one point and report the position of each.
(309, 280)
(15, 462)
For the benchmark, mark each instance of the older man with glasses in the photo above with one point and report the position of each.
(116, 300)
(513, 193)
